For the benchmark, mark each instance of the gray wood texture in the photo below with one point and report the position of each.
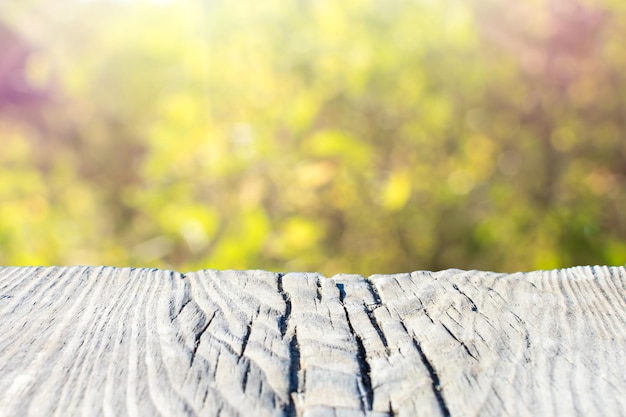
(86, 341)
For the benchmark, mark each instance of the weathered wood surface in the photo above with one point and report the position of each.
(139, 342)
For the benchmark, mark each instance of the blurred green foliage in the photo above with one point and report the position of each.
(361, 136)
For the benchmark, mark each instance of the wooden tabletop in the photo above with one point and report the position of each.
(102, 341)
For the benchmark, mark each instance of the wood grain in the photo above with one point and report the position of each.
(143, 342)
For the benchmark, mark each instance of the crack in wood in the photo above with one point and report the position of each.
(527, 357)
(246, 373)
(186, 302)
(365, 371)
(427, 315)
(432, 372)
(283, 320)
(453, 319)
(376, 326)
(294, 349)
(456, 287)
(217, 363)
(182, 307)
(246, 336)
(342, 292)
(372, 317)
(294, 370)
(371, 287)
(459, 341)
(198, 335)
(244, 340)
(365, 387)
(318, 289)
(519, 319)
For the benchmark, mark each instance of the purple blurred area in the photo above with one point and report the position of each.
(15, 88)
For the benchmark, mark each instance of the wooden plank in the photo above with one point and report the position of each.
(140, 342)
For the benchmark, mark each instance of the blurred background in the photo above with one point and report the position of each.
(363, 136)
